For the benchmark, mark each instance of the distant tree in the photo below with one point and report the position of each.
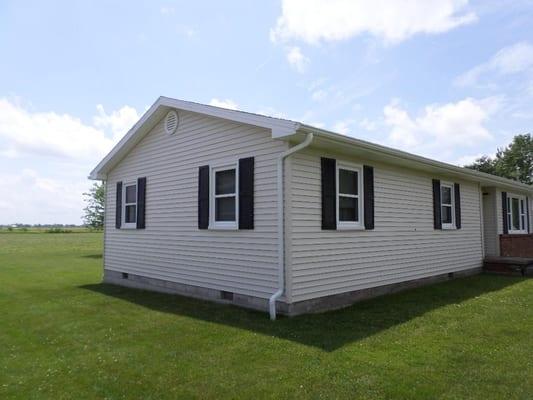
(94, 211)
(513, 162)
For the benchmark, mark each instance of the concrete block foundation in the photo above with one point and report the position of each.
(319, 304)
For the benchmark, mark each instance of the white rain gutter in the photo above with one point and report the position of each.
(281, 225)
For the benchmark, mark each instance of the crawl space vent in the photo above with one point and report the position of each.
(171, 122)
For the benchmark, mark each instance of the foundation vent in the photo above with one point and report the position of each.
(226, 295)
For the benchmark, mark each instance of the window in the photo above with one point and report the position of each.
(447, 206)
(349, 197)
(516, 214)
(130, 206)
(224, 197)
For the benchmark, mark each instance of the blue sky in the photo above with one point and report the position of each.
(447, 79)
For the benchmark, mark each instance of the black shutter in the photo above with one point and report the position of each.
(527, 216)
(118, 205)
(437, 221)
(368, 182)
(504, 211)
(329, 194)
(141, 203)
(246, 193)
(457, 196)
(203, 197)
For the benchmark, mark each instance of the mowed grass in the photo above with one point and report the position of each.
(64, 335)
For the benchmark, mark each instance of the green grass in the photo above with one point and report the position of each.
(63, 335)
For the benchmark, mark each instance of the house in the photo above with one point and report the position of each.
(277, 215)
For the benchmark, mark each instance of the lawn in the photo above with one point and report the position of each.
(64, 335)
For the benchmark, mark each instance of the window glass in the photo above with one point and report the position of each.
(348, 196)
(348, 209)
(131, 194)
(225, 200)
(515, 214)
(225, 209)
(446, 195)
(446, 214)
(225, 182)
(131, 214)
(130, 204)
(347, 182)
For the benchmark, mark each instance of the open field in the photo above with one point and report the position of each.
(63, 335)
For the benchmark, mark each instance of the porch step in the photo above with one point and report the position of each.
(508, 265)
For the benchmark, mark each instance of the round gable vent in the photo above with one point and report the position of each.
(171, 122)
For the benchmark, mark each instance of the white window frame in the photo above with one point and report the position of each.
(225, 225)
(129, 225)
(451, 186)
(522, 212)
(350, 225)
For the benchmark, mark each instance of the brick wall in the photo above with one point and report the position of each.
(516, 245)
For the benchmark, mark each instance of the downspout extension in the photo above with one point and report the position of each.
(281, 225)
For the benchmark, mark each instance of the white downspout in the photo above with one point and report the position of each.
(281, 225)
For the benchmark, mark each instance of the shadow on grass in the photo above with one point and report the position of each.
(327, 331)
(93, 256)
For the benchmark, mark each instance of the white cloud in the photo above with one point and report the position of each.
(186, 31)
(118, 122)
(297, 60)
(342, 127)
(319, 95)
(57, 152)
(49, 133)
(226, 103)
(167, 10)
(272, 112)
(329, 20)
(467, 160)
(29, 197)
(441, 127)
(509, 60)
(368, 124)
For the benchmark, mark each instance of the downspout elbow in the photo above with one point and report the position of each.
(272, 304)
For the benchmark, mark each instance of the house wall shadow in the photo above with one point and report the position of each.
(328, 331)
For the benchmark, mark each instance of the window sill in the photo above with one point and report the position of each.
(129, 226)
(223, 227)
(341, 227)
(449, 228)
(517, 233)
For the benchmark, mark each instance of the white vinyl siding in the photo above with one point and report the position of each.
(403, 246)
(172, 247)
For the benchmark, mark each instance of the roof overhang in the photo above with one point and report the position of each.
(279, 127)
(295, 132)
(355, 147)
